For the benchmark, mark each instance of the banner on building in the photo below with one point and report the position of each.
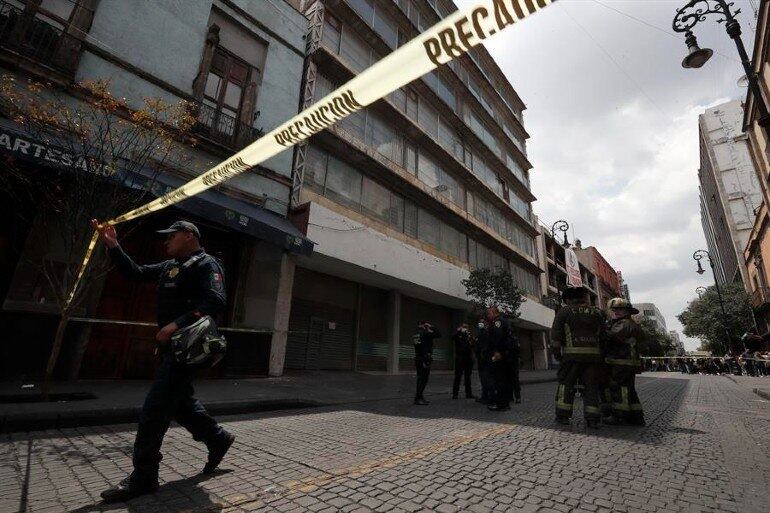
(574, 279)
(450, 38)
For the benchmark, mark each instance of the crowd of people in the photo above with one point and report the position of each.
(746, 364)
(495, 349)
(598, 357)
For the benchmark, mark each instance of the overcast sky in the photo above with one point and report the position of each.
(613, 118)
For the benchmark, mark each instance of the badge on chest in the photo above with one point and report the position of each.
(173, 272)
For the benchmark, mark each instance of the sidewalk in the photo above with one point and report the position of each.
(120, 401)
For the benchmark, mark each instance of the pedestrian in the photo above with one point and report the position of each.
(577, 336)
(190, 286)
(624, 336)
(463, 361)
(504, 360)
(423, 357)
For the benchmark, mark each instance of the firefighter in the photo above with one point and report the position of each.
(624, 336)
(577, 337)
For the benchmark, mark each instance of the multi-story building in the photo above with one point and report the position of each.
(607, 280)
(239, 63)
(729, 190)
(404, 197)
(650, 312)
(678, 346)
(756, 254)
(624, 292)
(554, 280)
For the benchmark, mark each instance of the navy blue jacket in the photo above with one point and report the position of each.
(187, 288)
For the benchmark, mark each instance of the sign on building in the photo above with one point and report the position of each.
(573, 269)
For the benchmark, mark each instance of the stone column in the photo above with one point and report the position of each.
(281, 316)
(394, 330)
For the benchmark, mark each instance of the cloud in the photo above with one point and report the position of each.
(613, 120)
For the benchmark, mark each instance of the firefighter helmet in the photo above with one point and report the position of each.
(618, 303)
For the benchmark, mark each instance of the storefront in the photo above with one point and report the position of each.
(107, 338)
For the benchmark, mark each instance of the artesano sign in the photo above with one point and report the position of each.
(28, 149)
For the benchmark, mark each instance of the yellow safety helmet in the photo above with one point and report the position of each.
(618, 303)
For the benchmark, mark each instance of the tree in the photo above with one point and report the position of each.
(656, 343)
(488, 287)
(703, 318)
(105, 156)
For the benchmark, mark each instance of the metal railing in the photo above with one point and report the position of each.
(223, 128)
(36, 36)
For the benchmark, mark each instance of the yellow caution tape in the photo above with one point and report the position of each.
(450, 38)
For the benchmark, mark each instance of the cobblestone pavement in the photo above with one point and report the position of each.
(705, 449)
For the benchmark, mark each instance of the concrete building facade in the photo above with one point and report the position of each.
(729, 190)
(607, 279)
(405, 197)
(650, 312)
(678, 349)
(239, 65)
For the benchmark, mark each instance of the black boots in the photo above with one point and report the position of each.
(127, 490)
(217, 451)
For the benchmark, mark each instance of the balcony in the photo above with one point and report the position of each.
(760, 298)
(37, 37)
(223, 129)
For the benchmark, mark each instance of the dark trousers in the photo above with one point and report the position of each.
(463, 369)
(625, 401)
(486, 379)
(501, 373)
(170, 398)
(570, 372)
(605, 392)
(515, 382)
(423, 372)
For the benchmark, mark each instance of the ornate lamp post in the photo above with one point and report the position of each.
(698, 256)
(696, 11)
(700, 291)
(561, 226)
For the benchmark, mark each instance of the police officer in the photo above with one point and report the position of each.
(190, 285)
(504, 359)
(577, 336)
(463, 360)
(484, 362)
(423, 356)
(624, 338)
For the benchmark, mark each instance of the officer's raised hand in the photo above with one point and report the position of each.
(106, 232)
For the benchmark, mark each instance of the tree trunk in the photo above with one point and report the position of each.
(55, 350)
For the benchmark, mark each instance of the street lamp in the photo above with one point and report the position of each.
(700, 290)
(696, 11)
(561, 226)
(698, 256)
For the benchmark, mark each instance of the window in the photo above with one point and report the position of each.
(375, 200)
(410, 158)
(223, 92)
(410, 219)
(428, 119)
(446, 92)
(428, 228)
(315, 168)
(354, 50)
(411, 104)
(427, 170)
(343, 183)
(386, 28)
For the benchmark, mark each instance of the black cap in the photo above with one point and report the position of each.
(182, 226)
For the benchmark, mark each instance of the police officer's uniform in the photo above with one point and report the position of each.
(484, 363)
(187, 290)
(497, 337)
(423, 357)
(577, 335)
(463, 362)
(623, 338)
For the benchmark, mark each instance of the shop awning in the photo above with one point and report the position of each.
(212, 205)
(241, 216)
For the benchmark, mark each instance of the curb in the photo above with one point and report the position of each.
(764, 394)
(39, 421)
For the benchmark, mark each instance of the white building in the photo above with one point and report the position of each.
(651, 312)
(729, 189)
(677, 340)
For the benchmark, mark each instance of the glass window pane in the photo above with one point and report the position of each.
(233, 95)
(331, 33)
(213, 81)
(385, 27)
(375, 200)
(428, 228)
(411, 104)
(354, 50)
(315, 168)
(446, 92)
(343, 183)
(364, 8)
(397, 212)
(410, 219)
(428, 119)
(410, 158)
(427, 171)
